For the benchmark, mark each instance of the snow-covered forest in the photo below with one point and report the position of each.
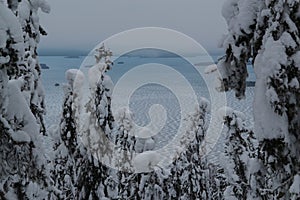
(67, 160)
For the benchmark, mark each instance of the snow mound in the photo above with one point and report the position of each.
(146, 161)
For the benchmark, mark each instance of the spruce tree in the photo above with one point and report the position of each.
(24, 172)
(267, 32)
(67, 145)
(187, 170)
(94, 177)
(152, 184)
(145, 185)
(238, 152)
(30, 70)
(125, 147)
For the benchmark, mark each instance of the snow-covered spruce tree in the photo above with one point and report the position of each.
(186, 174)
(148, 181)
(214, 180)
(67, 145)
(94, 178)
(152, 185)
(23, 166)
(268, 33)
(125, 147)
(30, 70)
(71, 109)
(124, 140)
(63, 170)
(101, 89)
(138, 176)
(239, 151)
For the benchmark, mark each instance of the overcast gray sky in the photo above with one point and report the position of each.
(82, 24)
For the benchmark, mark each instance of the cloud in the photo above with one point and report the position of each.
(77, 24)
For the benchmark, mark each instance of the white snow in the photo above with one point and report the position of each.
(210, 69)
(240, 14)
(108, 84)
(268, 124)
(229, 195)
(146, 161)
(295, 187)
(125, 117)
(24, 12)
(23, 121)
(72, 74)
(247, 14)
(272, 95)
(3, 59)
(294, 83)
(95, 74)
(9, 23)
(287, 40)
(227, 111)
(34, 191)
(143, 132)
(43, 4)
(144, 139)
(75, 78)
(292, 26)
(230, 10)
(20, 136)
(18, 110)
(296, 59)
(149, 144)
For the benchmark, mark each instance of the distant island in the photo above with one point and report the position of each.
(44, 66)
(72, 57)
(151, 53)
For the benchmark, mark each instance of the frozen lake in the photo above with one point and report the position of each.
(144, 97)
